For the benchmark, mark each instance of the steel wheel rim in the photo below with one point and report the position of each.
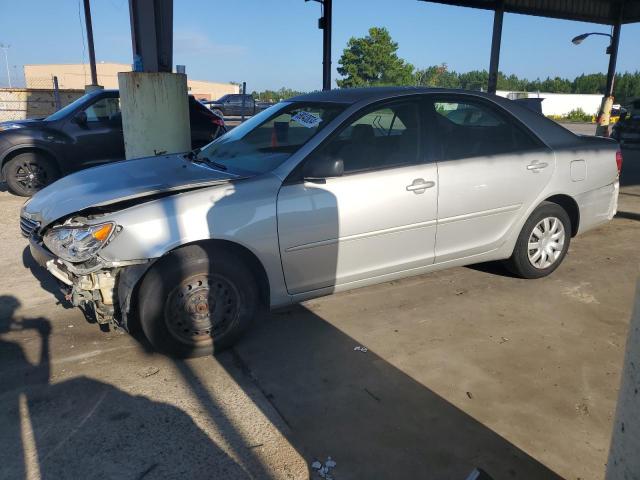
(546, 242)
(30, 175)
(201, 308)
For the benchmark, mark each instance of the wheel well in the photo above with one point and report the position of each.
(20, 151)
(571, 207)
(255, 265)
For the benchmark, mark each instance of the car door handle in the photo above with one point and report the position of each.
(419, 185)
(536, 166)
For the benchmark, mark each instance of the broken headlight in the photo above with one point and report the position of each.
(78, 243)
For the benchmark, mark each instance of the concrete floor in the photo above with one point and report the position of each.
(466, 367)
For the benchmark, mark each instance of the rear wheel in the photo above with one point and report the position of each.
(197, 301)
(29, 172)
(542, 243)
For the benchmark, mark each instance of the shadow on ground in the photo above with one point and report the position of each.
(83, 428)
(373, 419)
(369, 416)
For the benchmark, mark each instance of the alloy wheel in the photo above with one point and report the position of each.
(30, 176)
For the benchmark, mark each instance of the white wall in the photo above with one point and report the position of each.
(561, 103)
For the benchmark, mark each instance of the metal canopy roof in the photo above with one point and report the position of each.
(595, 11)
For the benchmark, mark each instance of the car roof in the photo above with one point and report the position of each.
(547, 130)
(354, 95)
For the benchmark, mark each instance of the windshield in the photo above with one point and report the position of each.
(269, 138)
(64, 111)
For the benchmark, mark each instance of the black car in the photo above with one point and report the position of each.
(87, 132)
(232, 105)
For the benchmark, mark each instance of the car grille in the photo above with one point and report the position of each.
(27, 227)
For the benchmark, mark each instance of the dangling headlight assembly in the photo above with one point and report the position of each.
(78, 243)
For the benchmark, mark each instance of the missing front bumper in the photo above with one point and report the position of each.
(104, 294)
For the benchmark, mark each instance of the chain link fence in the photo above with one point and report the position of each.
(41, 99)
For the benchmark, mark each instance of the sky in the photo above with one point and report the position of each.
(276, 43)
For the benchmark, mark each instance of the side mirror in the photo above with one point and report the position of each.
(80, 118)
(323, 167)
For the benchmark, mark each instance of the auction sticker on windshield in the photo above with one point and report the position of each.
(306, 119)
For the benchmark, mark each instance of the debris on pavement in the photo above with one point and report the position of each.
(470, 395)
(582, 408)
(324, 470)
(503, 340)
(360, 348)
(147, 371)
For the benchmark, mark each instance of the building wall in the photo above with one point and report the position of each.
(209, 90)
(560, 103)
(76, 76)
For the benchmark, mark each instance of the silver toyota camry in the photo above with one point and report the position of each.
(318, 194)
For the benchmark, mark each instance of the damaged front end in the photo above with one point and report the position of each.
(101, 289)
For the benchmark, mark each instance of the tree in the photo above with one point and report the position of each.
(372, 60)
(437, 76)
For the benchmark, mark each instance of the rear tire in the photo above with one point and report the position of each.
(543, 242)
(29, 172)
(197, 301)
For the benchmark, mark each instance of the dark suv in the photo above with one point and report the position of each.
(87, 132)
(232, 105)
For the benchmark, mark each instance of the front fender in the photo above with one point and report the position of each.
(242, 212)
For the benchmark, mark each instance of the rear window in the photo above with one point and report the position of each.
(468, 129)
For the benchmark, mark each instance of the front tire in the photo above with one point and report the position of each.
(29, 172)
(197, 301)
(543, 242)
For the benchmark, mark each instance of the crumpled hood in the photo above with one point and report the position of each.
(119, 181)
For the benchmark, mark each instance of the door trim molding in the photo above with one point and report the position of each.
(358, 236)
(482, 213)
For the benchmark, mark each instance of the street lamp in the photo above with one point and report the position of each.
(580, 38)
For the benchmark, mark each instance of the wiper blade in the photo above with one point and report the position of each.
(209, 162)
(193, 153)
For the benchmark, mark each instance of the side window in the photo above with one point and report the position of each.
(103, 110)
(381, 138)
(235, 100)
(471, 129)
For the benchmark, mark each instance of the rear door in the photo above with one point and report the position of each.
(234, 106)
(378, 218)
(490, 170)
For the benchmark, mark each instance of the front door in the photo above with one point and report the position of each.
(100, 138)
(378, 218)
(490, 170)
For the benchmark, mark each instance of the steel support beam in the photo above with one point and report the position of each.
(152, 35)
(327, 8)
(604, 114)
(496, 39)
(92, 52)
(613, 58)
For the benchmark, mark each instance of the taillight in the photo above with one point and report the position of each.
(619, 160)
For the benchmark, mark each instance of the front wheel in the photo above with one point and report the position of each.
(28, 172)
(543, 242)
(197, 301)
